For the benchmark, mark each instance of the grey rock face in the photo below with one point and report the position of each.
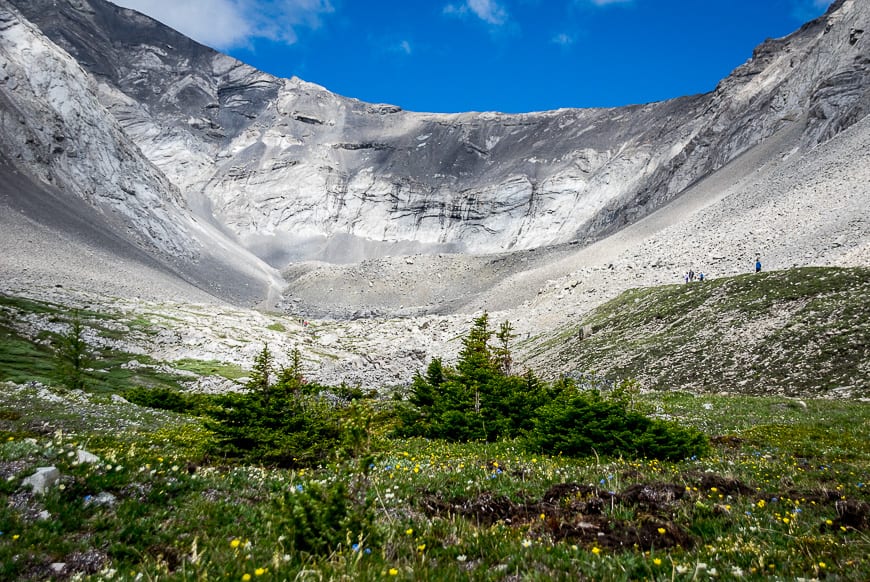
(287, 165)
(68, 164)
(190, 154)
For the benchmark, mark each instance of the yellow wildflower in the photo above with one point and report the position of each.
(394, 572)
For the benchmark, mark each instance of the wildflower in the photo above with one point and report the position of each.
(543, 516)
(662, 531)
(235, 543)
(461, 558)
(527, 543)
(421, 547)
(596, 550)
(259, 571)
(785, 520)
(761, 503)
(15, 537)
(822, 565)
(246, 577)
(409, 531)
(829, 522)
(657, 561)
(394, 572)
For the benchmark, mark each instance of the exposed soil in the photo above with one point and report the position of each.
(579, 513)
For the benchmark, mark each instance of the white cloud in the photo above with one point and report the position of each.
(606, 2)
(489, 11)
(563, 39)
(225, 24)
(405, 47)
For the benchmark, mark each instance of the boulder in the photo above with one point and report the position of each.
(44, 478)
(83, 456)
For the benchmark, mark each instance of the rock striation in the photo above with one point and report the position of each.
(297, 172)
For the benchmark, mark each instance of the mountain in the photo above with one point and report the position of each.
(137, 163)
(298, 172)
(75, 179)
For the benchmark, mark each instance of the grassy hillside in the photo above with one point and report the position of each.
(798, 332)
(783, 496)
(29, 331)
(782, 493)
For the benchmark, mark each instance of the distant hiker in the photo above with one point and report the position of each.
(691, 275)
(701, 277)
(758, 264)
(686, 277)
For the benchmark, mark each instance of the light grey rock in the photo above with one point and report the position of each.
(104, 499)
(42, 479)
(83, 456)
(258, 153)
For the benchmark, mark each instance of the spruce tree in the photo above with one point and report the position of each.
(71, 355)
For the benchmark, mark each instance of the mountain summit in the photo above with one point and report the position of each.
(225, 174)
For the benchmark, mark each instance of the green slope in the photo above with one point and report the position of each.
(798, 332)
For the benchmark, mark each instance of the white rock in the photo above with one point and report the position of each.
(44, 478)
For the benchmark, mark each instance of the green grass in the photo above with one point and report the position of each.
(798, 332)
(783, 495)
(211, 368)
(765, 503)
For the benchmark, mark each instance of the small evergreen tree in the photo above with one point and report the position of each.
(261, 373)
(274, 424)
(477, 400)
(71, 355)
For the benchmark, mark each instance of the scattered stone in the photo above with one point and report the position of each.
(83, 456)
(102, 499)
(44, 478)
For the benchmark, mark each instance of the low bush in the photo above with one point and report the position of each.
(586, 423)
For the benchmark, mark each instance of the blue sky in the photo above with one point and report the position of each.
(491, 55)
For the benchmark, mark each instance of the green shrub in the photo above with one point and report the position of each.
(318, 517)
(477, 400)
(160, 398)
(282, 424)
(585, 423)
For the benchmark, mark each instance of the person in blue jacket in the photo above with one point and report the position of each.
(757, 264)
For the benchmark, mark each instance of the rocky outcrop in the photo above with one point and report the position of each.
(69, 165)
(286, 164)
